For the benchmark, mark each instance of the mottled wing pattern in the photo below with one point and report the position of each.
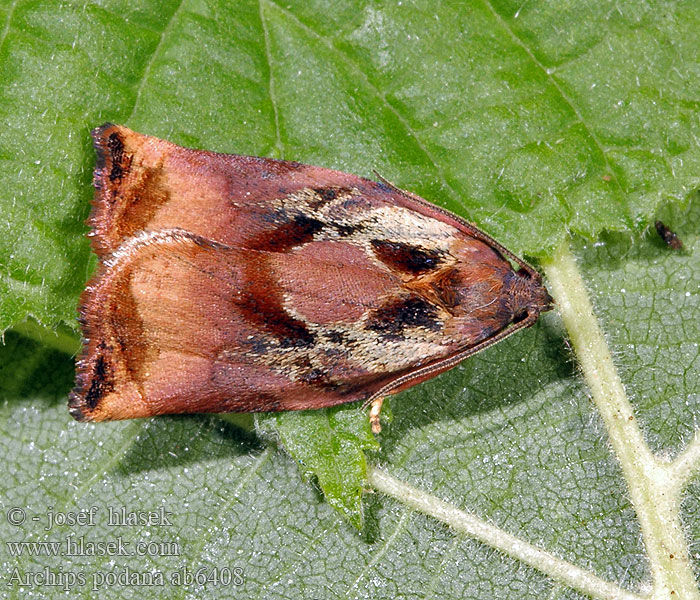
(232, 283)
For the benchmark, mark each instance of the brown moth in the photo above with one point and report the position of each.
(236, 283)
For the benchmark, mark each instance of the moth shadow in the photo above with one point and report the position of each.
(508, 373)
(181, 440)
(373, 506)
(32, 373)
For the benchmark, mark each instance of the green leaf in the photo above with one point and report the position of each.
(329, 444)
(536, 120)
(529, 120)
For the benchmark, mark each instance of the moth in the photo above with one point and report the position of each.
(232, 283)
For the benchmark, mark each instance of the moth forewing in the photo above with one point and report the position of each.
(236, 283)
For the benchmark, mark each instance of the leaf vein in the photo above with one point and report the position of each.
(6, 29)
(151, 60)
(564, 96)
(350, 62)
(271, 82)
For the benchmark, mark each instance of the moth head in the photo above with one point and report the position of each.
(483, 291)
(526, 296)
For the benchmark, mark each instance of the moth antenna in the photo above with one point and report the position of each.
(385, 181)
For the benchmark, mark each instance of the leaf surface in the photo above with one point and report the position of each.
(535, 120)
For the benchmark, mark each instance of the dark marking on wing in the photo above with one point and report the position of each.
(261, 304)
(335, 337)
(400, 256)
(116, 151)
(100, 383)
(328, 194)
(298, 230)
(397, 314)
(346, 230)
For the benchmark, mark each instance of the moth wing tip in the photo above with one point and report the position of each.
(75, 407)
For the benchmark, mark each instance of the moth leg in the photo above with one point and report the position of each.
(374, 414)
